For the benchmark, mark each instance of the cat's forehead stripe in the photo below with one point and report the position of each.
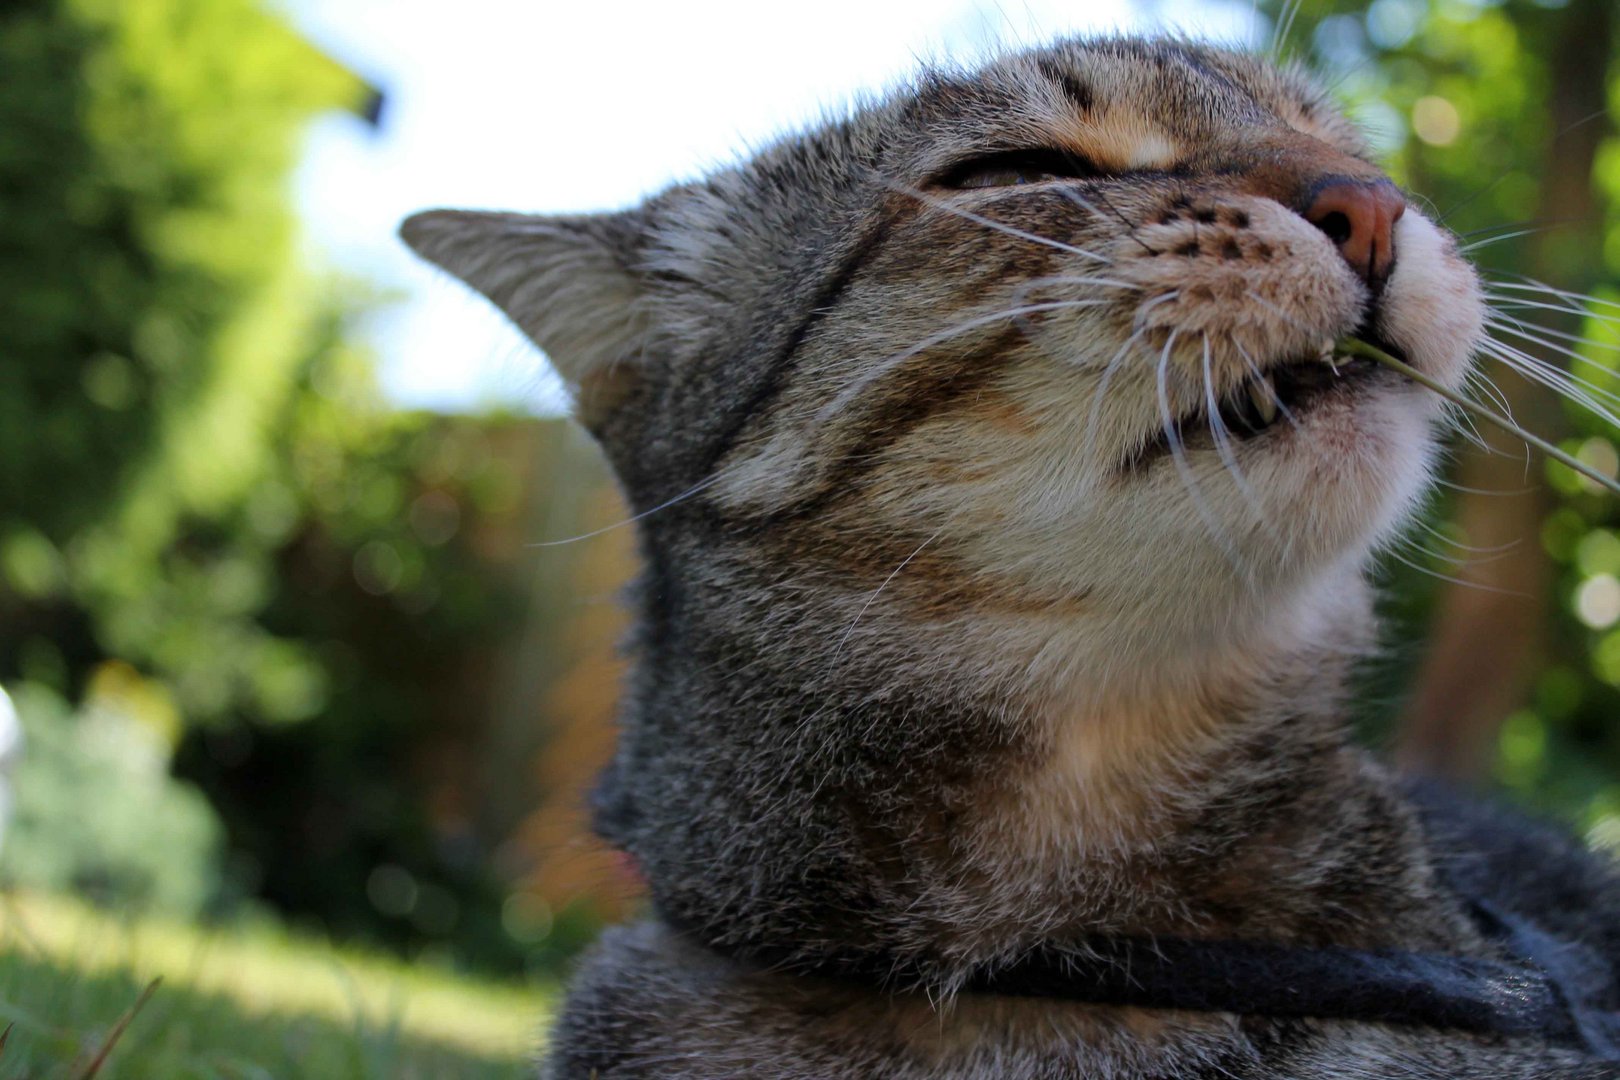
(1117, 139)
(1104, 108)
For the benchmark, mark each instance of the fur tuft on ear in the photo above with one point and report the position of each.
(567, 282)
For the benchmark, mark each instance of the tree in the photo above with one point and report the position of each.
(157, 313)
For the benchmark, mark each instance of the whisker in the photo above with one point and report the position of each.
(1459, 562)
(1497, 302)
(1463, 424)
(1148, 305)
(1097, 395)
(1496, 182)
(1513, 326)
(1566, 385)
(1460, 400)
(1533, 334)
(989, 223)
(701, 485)
(1501, 225)
(1288, 414)
(1488, 241)
(1464, 582)
(1525, 283)
(1357, 347)
(1130, 228)
(1487, 385)
(1466, 490)
(892, 574)
(1217, 431)
(1470, 548)
(882, 368)
(1167, 423)
(1284, 27)
(1074, 197)
(1071, 279)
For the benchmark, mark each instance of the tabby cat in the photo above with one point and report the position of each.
(1005, 513)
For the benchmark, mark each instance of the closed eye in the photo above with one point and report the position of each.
(1011, 167)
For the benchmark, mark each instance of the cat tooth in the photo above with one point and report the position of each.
(1264, 398)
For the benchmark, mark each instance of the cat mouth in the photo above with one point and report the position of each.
(1284, 393)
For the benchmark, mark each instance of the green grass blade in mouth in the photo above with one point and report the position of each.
(1350, 346)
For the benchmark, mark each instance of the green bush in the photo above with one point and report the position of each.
(98, 814)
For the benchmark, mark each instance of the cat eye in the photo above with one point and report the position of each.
(1013, 167)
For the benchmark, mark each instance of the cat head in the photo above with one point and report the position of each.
(1053, 335)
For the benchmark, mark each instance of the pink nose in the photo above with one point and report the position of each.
(1359, 217)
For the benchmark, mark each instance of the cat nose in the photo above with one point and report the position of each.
(1359, 216)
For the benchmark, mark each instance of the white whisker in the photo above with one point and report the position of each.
(892, 574)
(1498, 302)
(1464, 582)
(888, 364)
(990, 223)
(1102, 387)
(1032, 284)
(1478, 377)
(1561, 382)
(1217, 431)
(1530, 284)
(1466, 490)
(701, 485)
(1489, 240)
(1501, 320)
(1288, 414)
(1178, 456)
(1470, 548)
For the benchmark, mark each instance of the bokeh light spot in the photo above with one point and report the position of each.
(391, 889)
(1597, 601)
(526, 917)
(378, 568)
(1435, 121)
(1391, 23)
(1598, 453)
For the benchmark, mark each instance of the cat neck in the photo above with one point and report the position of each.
(785, 803)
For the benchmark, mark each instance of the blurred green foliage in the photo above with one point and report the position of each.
(96, 812)
(158, 325)
(204, 499)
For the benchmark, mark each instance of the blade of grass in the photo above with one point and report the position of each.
(117, 1031)
(1356, 347)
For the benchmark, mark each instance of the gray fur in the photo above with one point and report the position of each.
(937, 656)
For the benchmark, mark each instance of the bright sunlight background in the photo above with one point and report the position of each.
(553, 107)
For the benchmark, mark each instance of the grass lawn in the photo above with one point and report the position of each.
(239, 1004)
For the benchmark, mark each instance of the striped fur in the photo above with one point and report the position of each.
(945, 646)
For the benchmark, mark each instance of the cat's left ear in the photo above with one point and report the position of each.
(568, 282)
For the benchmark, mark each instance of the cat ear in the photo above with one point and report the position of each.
(567, 282)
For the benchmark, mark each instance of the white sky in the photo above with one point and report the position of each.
(556, 105)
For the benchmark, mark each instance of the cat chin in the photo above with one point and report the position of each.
(1320, 500)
